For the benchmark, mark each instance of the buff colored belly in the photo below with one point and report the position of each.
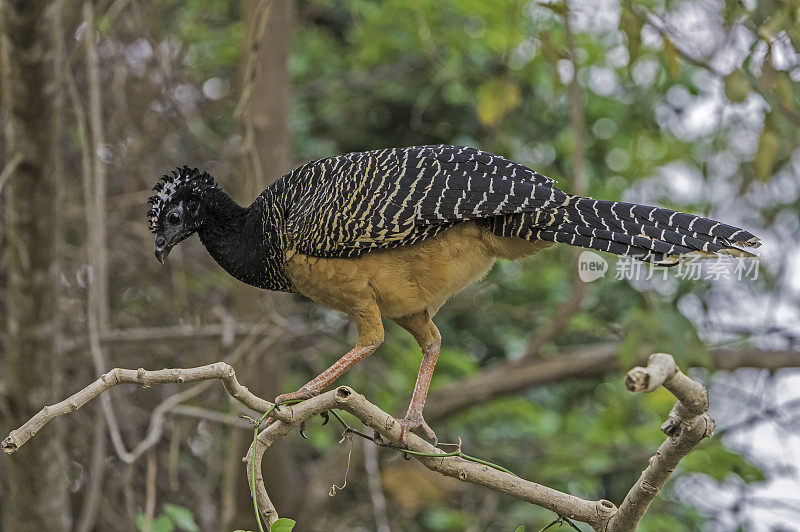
(409, 279)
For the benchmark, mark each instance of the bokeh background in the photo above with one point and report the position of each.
(692, 105)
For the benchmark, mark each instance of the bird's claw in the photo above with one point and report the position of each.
(378, 440)
(325, 418)
(406, 456)
(412, 421)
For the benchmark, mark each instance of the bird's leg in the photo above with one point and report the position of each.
(414, 419)
(317, 384)
(370, 335)
(427, 336)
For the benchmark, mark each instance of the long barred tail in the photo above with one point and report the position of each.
(648, 233)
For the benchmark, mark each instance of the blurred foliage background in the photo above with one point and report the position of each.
(688, 104)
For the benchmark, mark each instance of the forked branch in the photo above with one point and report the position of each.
(687, 425)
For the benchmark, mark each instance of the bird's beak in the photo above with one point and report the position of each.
(161, 254)
(162, 248)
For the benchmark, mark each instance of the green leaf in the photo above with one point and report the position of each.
(182, 517)
(769, 144)
(496, 97)
(786, 91)
(162, 523)
(736, 86)
(715, 460)
(520, 528)
(282, 525)
(102, 24)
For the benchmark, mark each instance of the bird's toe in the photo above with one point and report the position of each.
(300, 395)
(411, 422)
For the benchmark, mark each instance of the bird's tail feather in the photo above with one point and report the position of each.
(648, 233)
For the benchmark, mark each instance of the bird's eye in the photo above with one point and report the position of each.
(174, 217)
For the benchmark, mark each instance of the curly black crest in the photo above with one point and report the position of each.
(169, 186)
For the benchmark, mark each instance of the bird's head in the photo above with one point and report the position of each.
(176, 210)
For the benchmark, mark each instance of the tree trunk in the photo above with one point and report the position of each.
(264, 115)
(37, 497)
(265, 86)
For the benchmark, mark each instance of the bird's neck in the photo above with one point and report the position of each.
(244, 240)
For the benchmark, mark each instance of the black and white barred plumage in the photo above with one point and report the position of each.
(351, 204)
(346, 205)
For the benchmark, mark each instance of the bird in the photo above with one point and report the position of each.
(395, 233)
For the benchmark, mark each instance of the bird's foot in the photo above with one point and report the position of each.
(300, 395)
(412, 421)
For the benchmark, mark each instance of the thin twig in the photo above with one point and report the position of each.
(231, 462)
(94, 196)
(10, 168)
(87, 519)
(155, 429)
(576, 118)
(173, 333)
(372, 468)
(560, 320)
(251, 70)
(97, 199)
(213, 416)
(150, 491)
(94, 491)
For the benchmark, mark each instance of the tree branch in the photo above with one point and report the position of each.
(587, 361)
(561, 318)
(173, 333)
(219, 370)
(593, 512)
(688, 423)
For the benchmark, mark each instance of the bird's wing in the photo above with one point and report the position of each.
(345, 205)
